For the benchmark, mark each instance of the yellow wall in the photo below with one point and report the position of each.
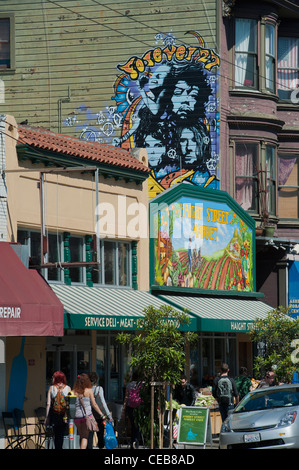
(70, 203)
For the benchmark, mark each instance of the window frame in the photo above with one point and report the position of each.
(249, 54)
(261, 55)
(288, 156)
(287, 35)
(116, 274)
(27, 234)
(271, 178)
(12, 46)
(272, 58)
(253, 177)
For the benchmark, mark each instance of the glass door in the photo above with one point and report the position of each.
(72, 359)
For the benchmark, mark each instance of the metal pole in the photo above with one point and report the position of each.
(42, 207)
(97, 215)
(152, 414)
(170, 416)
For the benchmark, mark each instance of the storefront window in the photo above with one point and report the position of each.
(101, 359)
(70, 354)
(206, 371)
(114, 368)
(220, 355)
(112, 365)
(213, 349)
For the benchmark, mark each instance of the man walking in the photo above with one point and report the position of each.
(224, 390)
(184, 393)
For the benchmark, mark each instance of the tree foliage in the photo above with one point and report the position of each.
(158, 354)
(158, 350)
(275, 334)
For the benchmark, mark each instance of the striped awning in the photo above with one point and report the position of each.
(103, 308)
(220, 314)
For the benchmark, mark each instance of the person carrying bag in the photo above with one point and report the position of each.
(89, 419)
(101, 402)
(85, 401)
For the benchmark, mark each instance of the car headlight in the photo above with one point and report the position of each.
(288, 418)
(225, 427)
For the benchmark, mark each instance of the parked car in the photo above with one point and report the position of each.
(265, 418)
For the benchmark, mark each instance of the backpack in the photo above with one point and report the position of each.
(224, 390)
(59, 402)
(134, 396)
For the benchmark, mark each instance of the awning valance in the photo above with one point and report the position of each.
(28, 306)
(220, 314)
(104, 308)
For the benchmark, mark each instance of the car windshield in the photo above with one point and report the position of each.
(268, 398)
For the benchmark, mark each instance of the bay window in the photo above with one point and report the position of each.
(255, 170)
(287, 66)
(288, 186)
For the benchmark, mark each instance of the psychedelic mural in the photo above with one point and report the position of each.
(165, 101)
(202, 244)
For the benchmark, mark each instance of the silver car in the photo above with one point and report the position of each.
(265, 418)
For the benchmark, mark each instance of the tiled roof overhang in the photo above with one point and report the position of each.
(61, 150)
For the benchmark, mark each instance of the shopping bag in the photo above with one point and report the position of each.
(110, 438)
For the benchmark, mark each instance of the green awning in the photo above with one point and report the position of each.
(103, 308)
(235, 315)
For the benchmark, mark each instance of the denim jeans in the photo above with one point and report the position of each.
(224, 409)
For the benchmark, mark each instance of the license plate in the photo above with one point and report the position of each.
(254, 437)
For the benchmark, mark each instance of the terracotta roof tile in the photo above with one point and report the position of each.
(71, 146)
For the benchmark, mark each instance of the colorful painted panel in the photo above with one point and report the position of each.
(202, 244)
(165, 100)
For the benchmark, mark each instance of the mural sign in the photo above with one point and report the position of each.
(203, 244)
(165, 100)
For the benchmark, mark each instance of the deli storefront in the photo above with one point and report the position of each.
(93, 317)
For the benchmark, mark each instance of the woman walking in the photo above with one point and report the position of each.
(84, 403)
(56, 407)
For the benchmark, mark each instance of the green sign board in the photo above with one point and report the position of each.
(193, 425)
(83, 321)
